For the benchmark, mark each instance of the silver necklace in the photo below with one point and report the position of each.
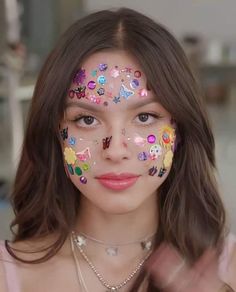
(112, 249)
(80, 277)
(111, 288)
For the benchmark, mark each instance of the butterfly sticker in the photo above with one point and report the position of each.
(152, 171)
(106, 142)
(125, 92)
(116, 99)
(64, 133)
(84, 155)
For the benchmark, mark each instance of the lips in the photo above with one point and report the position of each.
(117, 181)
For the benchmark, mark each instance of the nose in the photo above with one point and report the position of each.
(115, 147)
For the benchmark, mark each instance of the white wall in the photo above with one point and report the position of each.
(210, 18)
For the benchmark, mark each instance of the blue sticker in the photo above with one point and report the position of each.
(72, 141)
(102, 80)
(94, 73)
(125, 92)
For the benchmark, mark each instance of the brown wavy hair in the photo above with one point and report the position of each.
(191, 213)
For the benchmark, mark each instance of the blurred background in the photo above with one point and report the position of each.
(205, 28)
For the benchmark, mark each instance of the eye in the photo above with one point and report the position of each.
(147, 118)
(86, 121)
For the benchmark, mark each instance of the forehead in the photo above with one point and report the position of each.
(111, 80)
(114, 58)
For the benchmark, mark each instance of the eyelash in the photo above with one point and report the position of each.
(81, 116)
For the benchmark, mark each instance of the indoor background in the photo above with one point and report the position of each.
(205, 28)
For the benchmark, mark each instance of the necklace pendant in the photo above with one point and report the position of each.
(112, 251)
(112, 289)
(146, 245)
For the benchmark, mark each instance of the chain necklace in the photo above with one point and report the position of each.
(100, 277)
(78, 268)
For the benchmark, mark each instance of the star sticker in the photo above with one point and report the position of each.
(80, 240)
(116, 99)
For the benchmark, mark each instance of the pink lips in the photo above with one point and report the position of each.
(117, 181)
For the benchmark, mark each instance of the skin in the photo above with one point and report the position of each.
(108, 215)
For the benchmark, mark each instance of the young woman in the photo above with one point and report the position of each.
(115, 190)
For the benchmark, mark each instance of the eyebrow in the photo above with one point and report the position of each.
(97, 108)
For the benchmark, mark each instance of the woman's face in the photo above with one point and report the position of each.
(117, 140)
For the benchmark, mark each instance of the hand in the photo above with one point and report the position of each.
(171, 273)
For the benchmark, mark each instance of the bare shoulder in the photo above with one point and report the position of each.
(232, 269)
(3, 287)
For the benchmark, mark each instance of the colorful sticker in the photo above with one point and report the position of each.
(162, 172)
(102, 67)
(85, 166)
(91, 84)
(79, 76)
(106, 142)
(101, 91)
(143, 92)
(78, 171)
(155, 151)
(70, 169)
(152, 171)
(70, 156)
(115, 73)
(168, 159)
(72, 141)
(142, 156)
(83, 179)
(125, 92)
(102, 80)
(167, 136)
(151, 139)
(84, 155)
(64, 133)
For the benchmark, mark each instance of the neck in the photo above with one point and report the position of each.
(119, 228)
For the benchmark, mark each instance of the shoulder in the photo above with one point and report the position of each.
(3, 285)
(227, 265)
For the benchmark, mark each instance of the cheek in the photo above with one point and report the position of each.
(156, 150)
(77, 154)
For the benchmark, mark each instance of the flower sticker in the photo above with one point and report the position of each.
(70, 156)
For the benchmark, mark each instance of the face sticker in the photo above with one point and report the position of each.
(167, 137)
(102, 80)
(78, 171)
(106, 142)
(101, 91)
(152, 171)
(125, 92)
(64, 133)
(70, 156)
(168, 159)
(103, 67)
(151, 139)
(142, 156)
(70, 168)
(79, 77)
(155, 151)
(72, 141)
(162, 172)
(116, 99)
(83, 155)
(91, 84)
(83, 179)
